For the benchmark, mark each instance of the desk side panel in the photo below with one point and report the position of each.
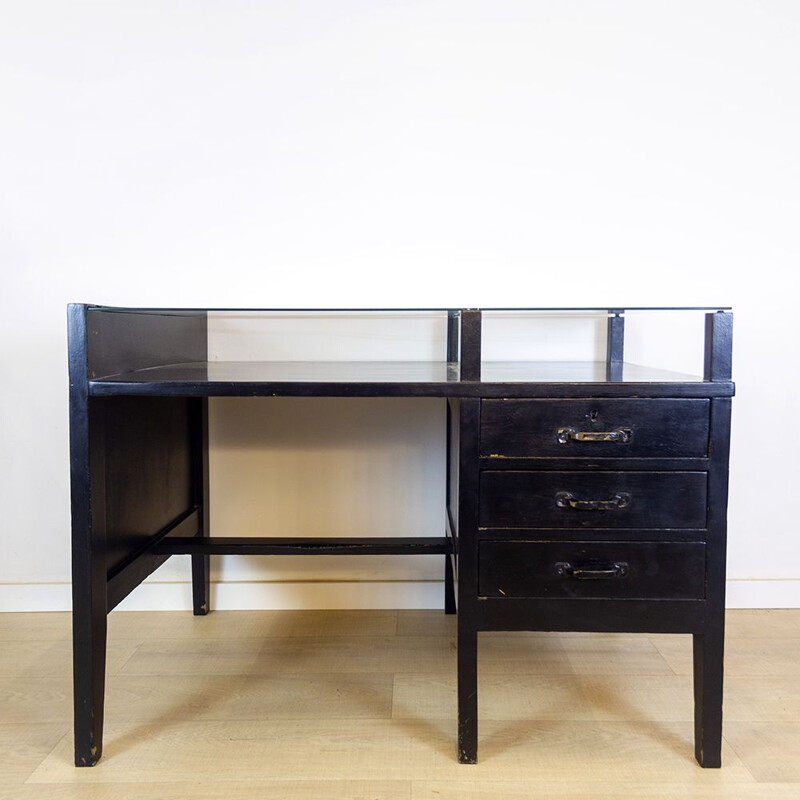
(125, 341)
(150, 483)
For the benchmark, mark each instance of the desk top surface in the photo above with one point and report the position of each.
(403, 378)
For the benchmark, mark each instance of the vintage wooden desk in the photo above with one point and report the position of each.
(580, 496)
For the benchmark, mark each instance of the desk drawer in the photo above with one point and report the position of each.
(574, 499)
(641, 428)
(625, 570)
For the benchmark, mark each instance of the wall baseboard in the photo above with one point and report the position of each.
(176, 596)
(773, 593)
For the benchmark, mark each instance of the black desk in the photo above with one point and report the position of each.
(580, 496)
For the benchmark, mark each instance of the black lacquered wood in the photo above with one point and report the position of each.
(498, 462)
(592, 615)
(655, 570)
(668, 428)
(470, 345)
(656, 499)
(453, 333)
(148, 468)
(143, 561)
(450, 605)
(709, 645)
(615, 346)
(89, 591)
(198, 443)
(589, 533)
(123, 343)
(718, 346)
(400, 379)
(467, 589)
(410, 376)
(276, 546)
(640, 466)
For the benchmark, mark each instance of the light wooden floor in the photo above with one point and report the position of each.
(361, 705)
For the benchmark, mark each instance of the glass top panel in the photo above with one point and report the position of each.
(604, 309)
(391, 372)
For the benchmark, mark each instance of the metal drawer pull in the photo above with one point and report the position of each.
(619, 569)
(619, 500)
(621, 436)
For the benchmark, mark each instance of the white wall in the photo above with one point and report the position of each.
(315, 153)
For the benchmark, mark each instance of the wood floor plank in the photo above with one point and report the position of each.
(238, 707)
(762, 699)
(426, 622)
(53, 658)
(615, 655)
(770, 750)
(500, 697)
(157, 699)
(40, 626)
(763, 657)
(250, 624)
(223, 790)
(201, 656)
(36, 699)
(646, 698)
(148, 625)
(591, 790)
(290, 655)
(760, 623)
(502, 654)
(391, 750)
(342, 623)
(24, 746)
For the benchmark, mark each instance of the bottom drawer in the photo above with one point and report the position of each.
(635, 570)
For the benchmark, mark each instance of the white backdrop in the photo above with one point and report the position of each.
(363, 153)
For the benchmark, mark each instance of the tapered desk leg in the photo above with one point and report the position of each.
(449, 586)
(708, 670)
(201, 568)
(89, 622)
(469, 434)
(89, 579)
(201, 585)
(467, 694)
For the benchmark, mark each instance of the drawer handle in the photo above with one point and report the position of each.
(565, 569)
(621, 436)
(567, 500)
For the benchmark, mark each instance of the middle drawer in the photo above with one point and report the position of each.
(574, 499)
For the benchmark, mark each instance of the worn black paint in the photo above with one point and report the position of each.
(658, 570)
(276, 546)
(659, 428)
(615, 346)
(198, 448)
(139, 388)
(89, 591)
(512, 499)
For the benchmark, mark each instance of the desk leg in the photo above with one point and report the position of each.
(89, 579)
(89, 623)
(449, 586)
(469, 432)
(708, 657)
(201, 568)
(467, 694)
(201, 585)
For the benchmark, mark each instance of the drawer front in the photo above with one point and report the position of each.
(613, 428)
(626, 570)
(574, 499)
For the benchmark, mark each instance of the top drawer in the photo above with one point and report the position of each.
(642, 428)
